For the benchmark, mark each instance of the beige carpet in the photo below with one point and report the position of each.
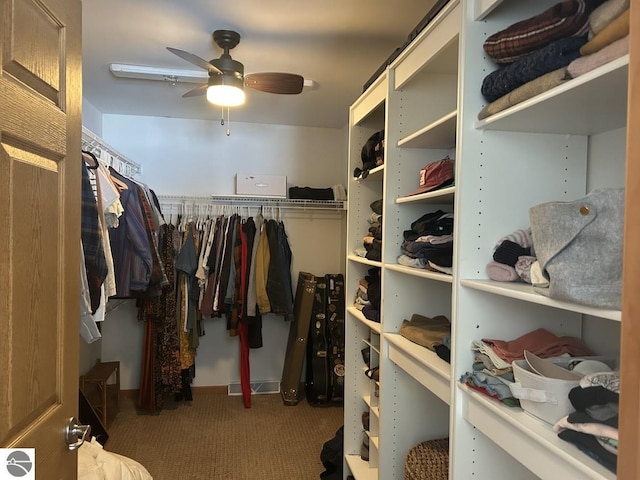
(215, 437)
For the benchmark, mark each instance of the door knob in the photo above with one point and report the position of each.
(75, 434)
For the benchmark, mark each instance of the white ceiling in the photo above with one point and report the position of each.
(338, 44)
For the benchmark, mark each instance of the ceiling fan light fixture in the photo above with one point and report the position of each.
(225, 95)
(225, 90)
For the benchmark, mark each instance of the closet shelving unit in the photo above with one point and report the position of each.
(552, 147)
(367, 116)
(420, 117)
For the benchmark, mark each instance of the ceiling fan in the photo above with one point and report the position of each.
(227, 79)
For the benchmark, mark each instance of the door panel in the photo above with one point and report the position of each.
(40, 104)
(34, 47)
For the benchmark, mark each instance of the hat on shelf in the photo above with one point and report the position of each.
(435, 175)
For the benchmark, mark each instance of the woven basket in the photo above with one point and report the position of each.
(428, 461)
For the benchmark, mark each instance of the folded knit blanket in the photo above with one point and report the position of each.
(567, 18)
(525, 92)
(605, 14)
(582, 65)
(552, 57)
(616, 30)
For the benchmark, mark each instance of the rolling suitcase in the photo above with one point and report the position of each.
(297, 342)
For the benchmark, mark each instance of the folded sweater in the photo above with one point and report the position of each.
(564, 19)
(552, 57)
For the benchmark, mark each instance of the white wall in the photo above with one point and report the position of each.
(91, 117)
(196, 158)
(607, 156)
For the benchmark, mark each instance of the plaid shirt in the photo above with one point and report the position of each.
(91, 234)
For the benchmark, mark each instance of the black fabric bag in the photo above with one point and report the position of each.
(331, 456)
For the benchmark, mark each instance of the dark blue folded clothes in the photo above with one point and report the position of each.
(434, 223)
(589, 445)
(411, 247)
(441, 255)
(443, 352)
(374, 251)
(547, 59)
(371, 313)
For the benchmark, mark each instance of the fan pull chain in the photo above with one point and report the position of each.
(221, 115)
(228, 123)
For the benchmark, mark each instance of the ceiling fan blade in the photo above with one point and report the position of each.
(196, 60)
(273, 82)
(195, 92)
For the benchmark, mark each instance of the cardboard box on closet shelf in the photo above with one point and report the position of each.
(261, 185)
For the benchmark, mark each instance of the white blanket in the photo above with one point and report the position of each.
(95, 463)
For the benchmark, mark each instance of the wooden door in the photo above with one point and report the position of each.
(40, 124)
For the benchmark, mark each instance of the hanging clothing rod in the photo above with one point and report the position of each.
(236, 200)
(96, 145)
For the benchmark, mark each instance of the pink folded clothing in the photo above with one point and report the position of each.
(540, 342)
(582, 65)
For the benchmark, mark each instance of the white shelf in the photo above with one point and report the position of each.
(529, 440)
(373, 409)
(375, 326)
(437, 197)
(375, 348)
(434, 50)
(422, 364)
(248, 200)
(366, 261)
(439, 134)
(372, 99)
(482, 8)
(419, 272)
(578, 106)
(360, 469)
(525, 292)
(375, 442)
(372, 173)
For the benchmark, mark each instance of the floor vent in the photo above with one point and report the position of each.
(257, 387)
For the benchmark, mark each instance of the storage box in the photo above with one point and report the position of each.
(261, 185)
(545, 397)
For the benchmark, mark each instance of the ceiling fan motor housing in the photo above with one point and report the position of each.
(227, 40)
(228, 66)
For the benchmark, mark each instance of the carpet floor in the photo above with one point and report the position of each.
(215, 437)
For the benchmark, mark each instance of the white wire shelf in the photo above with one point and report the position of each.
(109, 155)
(250, 201)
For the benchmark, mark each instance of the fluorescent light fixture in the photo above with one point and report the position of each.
(154, 73)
